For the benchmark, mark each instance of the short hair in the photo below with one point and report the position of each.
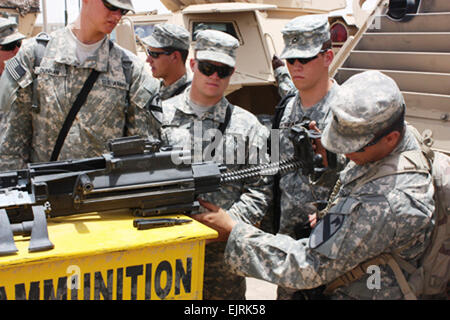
(184, 53)
(397, 125)
(327, 45)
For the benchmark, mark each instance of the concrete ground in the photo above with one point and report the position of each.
(260, 290)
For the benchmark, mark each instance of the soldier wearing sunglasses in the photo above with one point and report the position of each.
(10, 41)
(202, 120)
(167, 51)
(42, 82)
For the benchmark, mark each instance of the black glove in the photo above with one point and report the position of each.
(277, 62)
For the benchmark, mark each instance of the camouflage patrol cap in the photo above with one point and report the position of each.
(365, 105)
(304, 36)
(168, 35)
(122, 4)
(8, 32)
(216, 46)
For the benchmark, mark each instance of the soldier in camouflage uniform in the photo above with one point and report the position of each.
(30, 128)
(308, 54)
(168, 48)
(190, 119)
(365, 218)
(10, 41)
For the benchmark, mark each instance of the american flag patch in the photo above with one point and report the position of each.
(15, 69)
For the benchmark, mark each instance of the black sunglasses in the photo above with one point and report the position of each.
(156, 54)
(110, 7)
(371, 143)
(11, 46)
(209, 69)
(304, 60)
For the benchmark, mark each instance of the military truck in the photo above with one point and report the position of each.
(255, 23)
(24, 12)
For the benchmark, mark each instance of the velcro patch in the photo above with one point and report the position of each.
(15, 69)
(332, 222)
(325, 229)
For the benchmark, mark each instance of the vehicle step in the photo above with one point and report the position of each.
(421, 82)
(421, 22)
(435, 6)
(430, 111)
(399, 60)
(428, 106)
(412, 41)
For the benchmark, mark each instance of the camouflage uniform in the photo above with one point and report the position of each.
(303, 37)
(389, 213)
(284, 81)
(170, 35)
(245, 201)
(29, 134)
(171, 90)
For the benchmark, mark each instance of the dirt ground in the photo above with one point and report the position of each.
(260, 290)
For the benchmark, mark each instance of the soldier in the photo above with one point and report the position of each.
(168, 49)
(308, 54)
(44, 80)
(369, 217)
(10, 41)
(202, 114)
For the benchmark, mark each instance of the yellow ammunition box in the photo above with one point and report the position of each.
(101, 256)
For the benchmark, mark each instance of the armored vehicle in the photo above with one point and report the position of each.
(24, 12)
(256, 24)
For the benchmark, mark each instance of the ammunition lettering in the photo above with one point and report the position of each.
(120, 283)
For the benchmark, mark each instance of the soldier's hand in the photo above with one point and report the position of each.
(317, 144)
(312, 220)
(277, 62)
(216, 218)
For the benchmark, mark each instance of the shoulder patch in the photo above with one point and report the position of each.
(332, 222)
(325, 229)
(15, 69)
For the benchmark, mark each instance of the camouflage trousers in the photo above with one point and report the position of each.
(219, 283)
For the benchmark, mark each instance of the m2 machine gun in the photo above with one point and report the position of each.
(133, 175)
(145, 178)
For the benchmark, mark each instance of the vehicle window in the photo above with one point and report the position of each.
(227, 27)
(143, 30)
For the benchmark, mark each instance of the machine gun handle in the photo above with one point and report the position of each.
(39, 234)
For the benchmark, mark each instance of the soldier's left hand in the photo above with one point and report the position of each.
(216, 218)
(312, 220)
(277, 62)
